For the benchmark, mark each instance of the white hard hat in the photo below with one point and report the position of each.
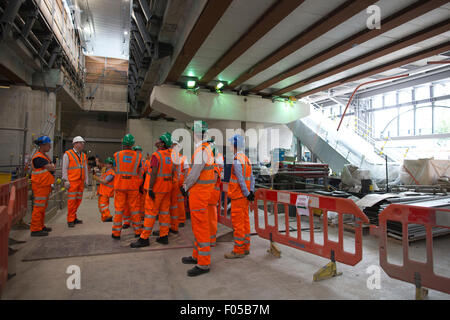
(78, 139)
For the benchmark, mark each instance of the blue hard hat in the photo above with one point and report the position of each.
(237, 141)
(43, 140)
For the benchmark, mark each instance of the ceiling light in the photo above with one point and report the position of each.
(191, 84)
(125, 32)
(219, 85)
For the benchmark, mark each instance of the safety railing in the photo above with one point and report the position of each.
(333, 250)
(222, 209)
(421, 274)
(4, 233)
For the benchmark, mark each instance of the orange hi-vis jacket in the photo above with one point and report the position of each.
(164, 177)
(127, 176)
(107, 189)
(75, 172)
(234, 189)
(41, 176)
(206, 181)
(179, 161)
(215, 195)
(148, 170)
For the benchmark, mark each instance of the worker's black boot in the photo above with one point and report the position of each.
(181, 225)
(155, 233)
(47, 229)
(173, 231)
(125, 226)
(115, 237)
(163, 240)
(140, 243)
(188, 260)
(76, 221)
(110, 219)
(71, 224)
(41, 233)
(196, 271)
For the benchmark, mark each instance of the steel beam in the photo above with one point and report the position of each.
(146, 9)
(8, 16)
(393, 21)
(388, 66)
(274, 15)
(405, 42)
(328, 22)
(208, 19)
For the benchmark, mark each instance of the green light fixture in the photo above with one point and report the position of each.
(191, 84)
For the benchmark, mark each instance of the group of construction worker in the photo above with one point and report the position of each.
(155, 189)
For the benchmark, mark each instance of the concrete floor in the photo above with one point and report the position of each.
(161, 275)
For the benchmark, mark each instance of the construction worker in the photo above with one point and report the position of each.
(138, 149)
(200, 184)
(215, 196)
(177, 199)
(106, 190)
(126, 186)
(240, 191)
(157, 202)
(42, 178)
(75, 174)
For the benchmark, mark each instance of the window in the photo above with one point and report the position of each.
(377, 102)
(404, 96)
(382, 120)
(423, 119)
(406, 121)
(390, 99)
(442, 89)
(422, 93)
(442, 117)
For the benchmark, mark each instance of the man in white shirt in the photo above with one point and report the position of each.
(75, 175)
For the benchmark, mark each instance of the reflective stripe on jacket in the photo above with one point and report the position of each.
(127, 170)
(234, 189)
(41, 176)
(76, 169)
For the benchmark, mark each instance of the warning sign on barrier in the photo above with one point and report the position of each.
(302, 205)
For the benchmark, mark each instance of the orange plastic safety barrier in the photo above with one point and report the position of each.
(18, 200)
(222, 210)
(4, 233)
(329, 248)
(4, 194)
(419, 273)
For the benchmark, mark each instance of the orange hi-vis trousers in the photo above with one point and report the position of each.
(198, 203)
(181, 208)
(212, 216)
(127, 215)
(74, 197)
(122, 199)
(141, 206)
(241, 225)
(175, 207)
(160, 206)
(103, 206)
(41, 194)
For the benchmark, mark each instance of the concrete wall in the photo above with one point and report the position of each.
(103, 137)
(107, 97)
(146, 132)
(15, 103)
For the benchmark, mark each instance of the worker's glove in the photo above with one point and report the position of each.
(151, 194)
(183, 192)
(251, 196)
(67, 185)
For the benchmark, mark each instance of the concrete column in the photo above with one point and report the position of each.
(16, 103)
